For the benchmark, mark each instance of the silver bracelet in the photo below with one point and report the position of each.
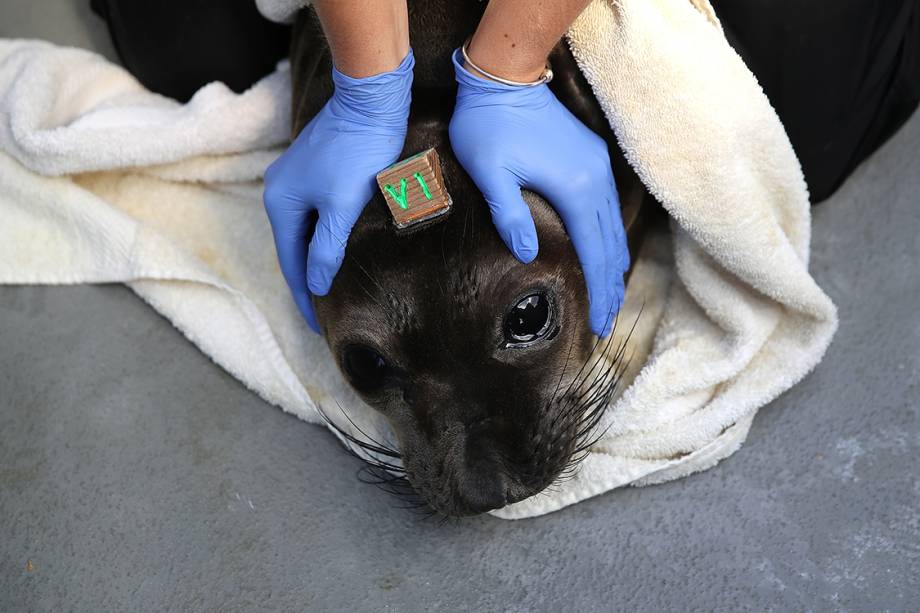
(546, 77)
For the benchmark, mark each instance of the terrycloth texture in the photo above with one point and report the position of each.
(175, 212)
(282, 11)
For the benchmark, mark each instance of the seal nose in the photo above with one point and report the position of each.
(482, 485)
(479, 495)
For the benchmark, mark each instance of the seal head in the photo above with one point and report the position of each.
(484, 368)
(468, 353)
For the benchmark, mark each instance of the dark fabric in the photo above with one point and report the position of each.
(843, 75)
(174, 47)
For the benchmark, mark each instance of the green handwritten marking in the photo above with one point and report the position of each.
(421, 181)
(400, 198)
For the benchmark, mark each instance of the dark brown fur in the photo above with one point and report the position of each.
(478, 425)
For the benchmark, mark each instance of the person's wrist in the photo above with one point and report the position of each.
(476, 72)
(471, 81)
(366, 37)
(509, 61)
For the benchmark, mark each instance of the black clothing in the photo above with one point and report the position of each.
(842, 75)
(174, 47)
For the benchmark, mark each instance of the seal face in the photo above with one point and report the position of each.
(461, 346)
(485, 368)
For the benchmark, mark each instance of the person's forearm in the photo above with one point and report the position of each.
(515, 37)
(367, 37)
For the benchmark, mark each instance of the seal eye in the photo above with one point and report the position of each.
(366, 368)
(529, 320)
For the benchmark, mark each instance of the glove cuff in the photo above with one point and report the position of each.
(476, 91)
(382, 98)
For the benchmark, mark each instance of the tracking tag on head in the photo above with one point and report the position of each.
(414, 189)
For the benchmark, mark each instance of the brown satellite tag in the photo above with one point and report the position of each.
(414, 189)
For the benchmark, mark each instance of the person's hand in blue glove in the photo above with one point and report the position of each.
(330, 169)
(509, 137)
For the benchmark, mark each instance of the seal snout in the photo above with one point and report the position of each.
(482, 483)
(480, 495)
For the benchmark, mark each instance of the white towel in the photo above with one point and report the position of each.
(102, 181)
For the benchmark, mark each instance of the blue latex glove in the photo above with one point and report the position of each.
(513, 137)
(330, 168)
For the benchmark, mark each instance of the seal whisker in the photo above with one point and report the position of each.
(605, 352)
(565, 366)
(381, 448)
(590, 442)
(353, 440)
(375, 471)
(606, 385)
(366, 273)
(369, 448)
(466, 219)
(614, 362)
(584, 364)
(603, 366)
(581, 376)
(587, 399)
(370, 295)
(574, 404)
(370, 474)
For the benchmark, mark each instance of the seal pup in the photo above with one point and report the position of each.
(485, 369)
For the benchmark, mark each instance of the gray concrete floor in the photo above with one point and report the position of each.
(137, 475)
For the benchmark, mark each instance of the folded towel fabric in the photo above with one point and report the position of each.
(102, 181)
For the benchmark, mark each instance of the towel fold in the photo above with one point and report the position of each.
(102, 181)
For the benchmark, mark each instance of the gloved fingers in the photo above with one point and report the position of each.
(621, 247)
(305, 306)
(290, 229)
(584, 229)
(512, 217)
(612, 266)
(327, 250)
(616, 287)
(619, 230)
